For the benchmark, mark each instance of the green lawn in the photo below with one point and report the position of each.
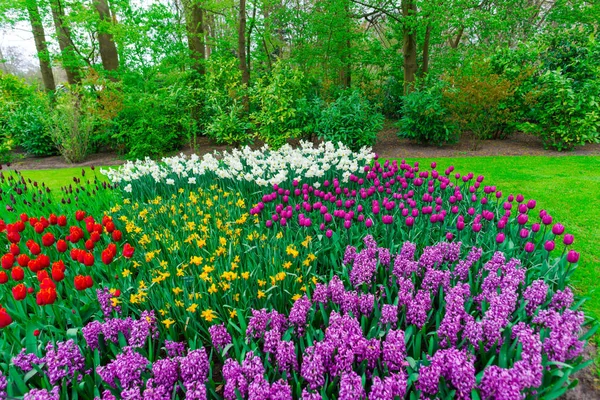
(55, 178)
(568, 187)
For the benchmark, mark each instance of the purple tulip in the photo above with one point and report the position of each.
(529, 247)
(269, 223)
(329, 233)
(347, 224)
(549, 245)
(449, 236)
(558, 229)
(369, 223)
(568, 239)
(572, 256)
(531, 204)
(500, 237)
(520, 198)
(522, 219)
(410, 221)
(546, 219)
(524, 233)
(476, 227)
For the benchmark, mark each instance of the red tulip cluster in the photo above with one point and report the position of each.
(42, 253)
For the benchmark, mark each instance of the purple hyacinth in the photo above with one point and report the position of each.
(456, 366)
(194, 367)
(3, 385)
(165, 373)
(455, 316)
(349, 255)
(105, 300)
(462, 268)
(562, 299)
(281, 390)
(286, 356)
(320, 293)
(258, 323)
(174, 349)
(384, 256)
(366, 302)
(63, 361)
(351, 303)
(91, 333)
(351, 387)
(392, 387)
(126, 368)
(364, 267)
(259, 389)
(307, 395)
(24, 361)
(234, 380)
(252, 366)
(418, 308)
(299, 314)
(142, 329)
(43, 394)
(394, 350)
(535, 295)
(563, 343)
(336, 290)
(389, 315)
(219, 336)
(313, 368)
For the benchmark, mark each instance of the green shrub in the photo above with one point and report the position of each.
(351, 119)
(157, 116)
(274, 98)
(561, 115)
(425, 118)
(72, 123)
(480, 101)
(225, 119)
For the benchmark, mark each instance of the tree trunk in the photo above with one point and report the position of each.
(69, 60)
(194, 16)
(425, 66)
(108, 49)
(242, 51)
(346, 70)
(40, 45)
(409, 10)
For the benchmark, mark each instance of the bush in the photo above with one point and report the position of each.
(23, 118)
(72, 122)
(275, 98)
(351, 119)
(225, 119)
(425, 118)
(479, 101)
(562, 116)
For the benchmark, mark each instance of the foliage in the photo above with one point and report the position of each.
(73, 123)
(157, 116)
(275, 97)
(426, 118)
(479, 101)
(350, 119)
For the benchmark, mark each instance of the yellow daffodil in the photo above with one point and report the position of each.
(246, 275)
(126, 273)
(261, 283)
(287, 264)
(209, 315)
(213, 289)
(296, 297)
(192, 308)
(168, 322)
(232, 313)
(261, 294)
(177, 290)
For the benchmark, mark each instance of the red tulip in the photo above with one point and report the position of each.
(14, 237)
(20, 226)
(38, 227)
(79, 215)
(53, 219)
(61, 246)
(44, 222)
(14, 249)
(17, 273)
(23, 260)
(42, 274)
(43, 260)
(8, 260)
(110, 226)
(117, 235)
(3, 277)
(35, 249)
(95, 237)
(23, 217)
(107, 256)
(48, 239)
(33, 221)
(58, 271)
(36, 333)
(19, 292)
(5, 319)
(128, 251)
(46, 296)
(88, 259)
(34, 265)
(113, 249)
(80, 282)
(61, 220)
(89, 244)
(47, 283)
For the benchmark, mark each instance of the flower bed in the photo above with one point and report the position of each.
(264, 275)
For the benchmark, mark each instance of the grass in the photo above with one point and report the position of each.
(568, 187)
(55, 178)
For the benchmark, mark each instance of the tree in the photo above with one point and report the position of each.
(108, 49)
(194, 16)
(242, 51)
(65, 42)
(37, 28)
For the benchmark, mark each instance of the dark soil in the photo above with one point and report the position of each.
(390, 146)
